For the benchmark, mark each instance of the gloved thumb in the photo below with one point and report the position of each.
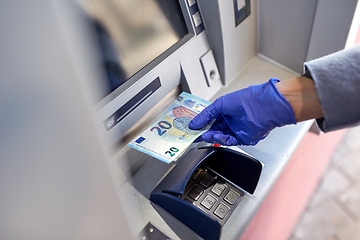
(205, 116)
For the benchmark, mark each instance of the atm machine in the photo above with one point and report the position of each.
(154, 50)
(142, 54)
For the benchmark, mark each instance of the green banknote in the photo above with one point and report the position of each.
(169, 137)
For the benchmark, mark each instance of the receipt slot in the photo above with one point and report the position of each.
(206, 186)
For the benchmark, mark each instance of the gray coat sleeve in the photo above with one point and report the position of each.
(337, 82)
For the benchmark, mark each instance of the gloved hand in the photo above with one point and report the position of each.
(246, 116)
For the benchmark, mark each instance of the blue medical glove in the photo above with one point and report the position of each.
(246, 116)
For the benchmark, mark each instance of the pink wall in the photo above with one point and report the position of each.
(279, 213)
(357, 39)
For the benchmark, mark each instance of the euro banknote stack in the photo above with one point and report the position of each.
(169, 137)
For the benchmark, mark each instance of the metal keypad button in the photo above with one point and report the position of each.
(196, 193)
(231, 197)
(221, 210)
(218, 189)
(206, 180)
(208, 201)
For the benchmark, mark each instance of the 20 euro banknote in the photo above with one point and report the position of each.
(169, 137)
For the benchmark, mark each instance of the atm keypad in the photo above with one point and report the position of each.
(212, 194)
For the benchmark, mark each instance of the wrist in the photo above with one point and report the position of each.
(301, 93)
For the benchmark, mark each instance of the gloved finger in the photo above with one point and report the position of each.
(226, 140)
(220, 138)
(208, 136)
(228, 132)
(203, 118)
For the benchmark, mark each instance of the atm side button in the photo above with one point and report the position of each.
(221, 210)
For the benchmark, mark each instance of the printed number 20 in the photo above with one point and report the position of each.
(172, 151)
(163, 125)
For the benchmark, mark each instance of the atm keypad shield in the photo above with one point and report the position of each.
(212, 194)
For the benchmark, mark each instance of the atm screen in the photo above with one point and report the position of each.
(132, 33)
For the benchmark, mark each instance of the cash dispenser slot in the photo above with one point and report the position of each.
(206, 186)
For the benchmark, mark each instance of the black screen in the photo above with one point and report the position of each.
(132, 33)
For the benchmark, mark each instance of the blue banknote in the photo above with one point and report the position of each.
(169, 137)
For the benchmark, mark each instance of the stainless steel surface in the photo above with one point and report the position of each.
(285, 29)
(299, 31)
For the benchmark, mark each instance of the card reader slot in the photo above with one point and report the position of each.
(130, 105)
